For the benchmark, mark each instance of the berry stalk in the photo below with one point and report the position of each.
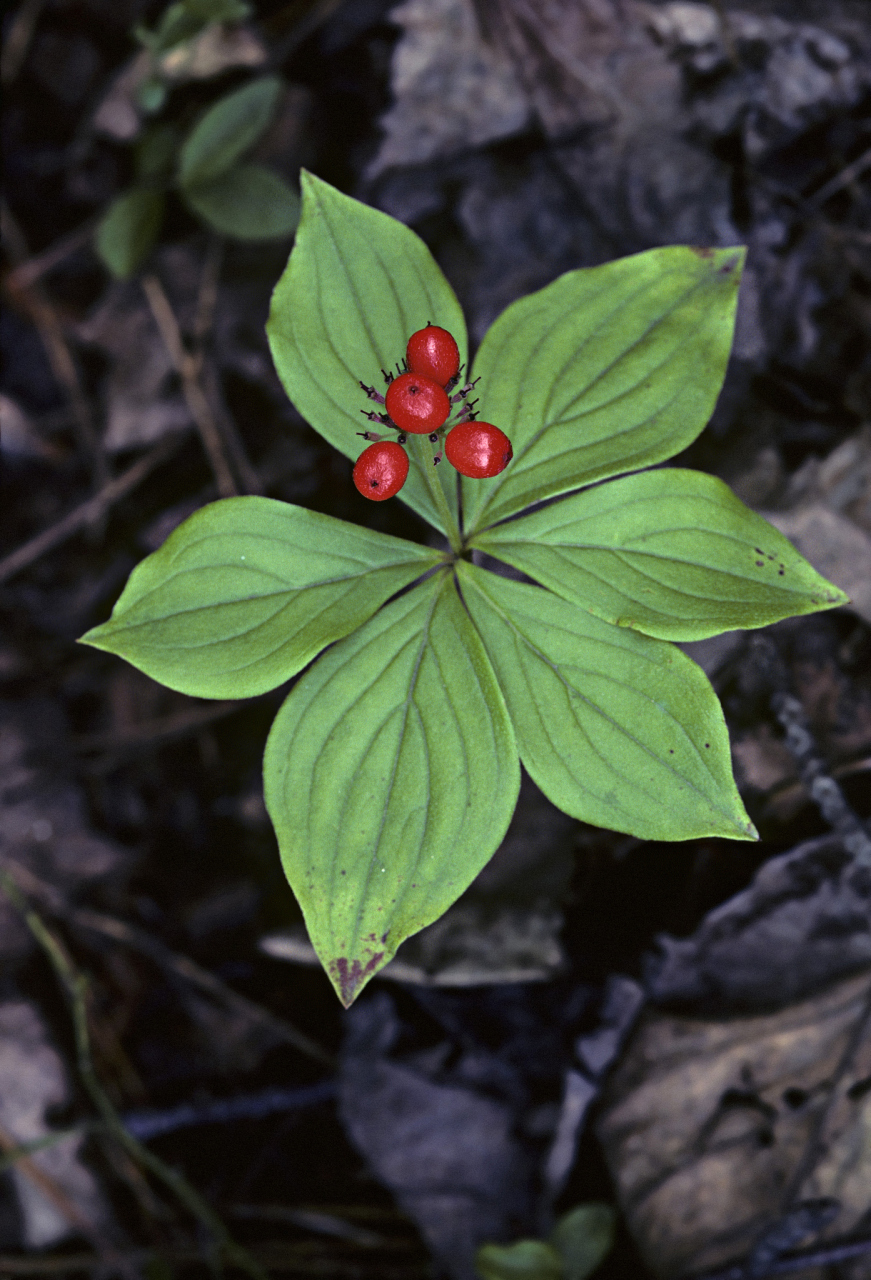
(420, 449)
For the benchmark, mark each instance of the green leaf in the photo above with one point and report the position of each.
(617, 729)
(247, 591)
(671, 553)
(525, 1260)
(608, 369)
(184, 19)
(583, 1238)
(390, 775)
(357, 285)
(128, 229)
(228, 129)
(247, 202)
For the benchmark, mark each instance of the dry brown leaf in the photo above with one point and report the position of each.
(712, 1129)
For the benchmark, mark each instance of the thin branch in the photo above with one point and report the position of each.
(188, 369)
(820, 1255)
(75, 988)
(34, 268)
(87, 513)
(171, 961)
(841, 180)
(294, 1259)
(816, 777)
(36, 303)
(153, 733)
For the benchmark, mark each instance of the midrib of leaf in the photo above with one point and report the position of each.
(516, 630)
(408, 705)
(266, 573)
(247, 631)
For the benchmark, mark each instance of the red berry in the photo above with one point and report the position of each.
(417, 404)
(478, 449)
(381, 470)
(433, 352)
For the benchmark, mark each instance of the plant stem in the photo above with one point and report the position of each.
(424, 460)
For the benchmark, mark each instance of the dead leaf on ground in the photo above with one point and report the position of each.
(143, 403)
(714, 1128)
(32, 1082)
(802, 923)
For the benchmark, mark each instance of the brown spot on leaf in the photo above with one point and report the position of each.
(702, 251)
(350, 978)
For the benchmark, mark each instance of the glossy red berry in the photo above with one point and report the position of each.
(417, 404)
(433, 352)
(478, 449)
(381, 470)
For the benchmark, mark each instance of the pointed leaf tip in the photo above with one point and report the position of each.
(350, 977)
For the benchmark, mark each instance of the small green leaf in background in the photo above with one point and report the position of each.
(128, 229)
(390, 776)
(186, 18)
(525, 1260)
(672, 553)
(617, 729)
(247, 202)
(247, 591)
(357, 285)
(608, 369)
(227, 130)
(583, 1238)
(578, 1244)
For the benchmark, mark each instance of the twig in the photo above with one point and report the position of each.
(86, 514)
(820, 1255)
(146, 1125)
(27, 274)
(19, 1151)
(21, 30)
(188, 369)
(207, 302)
(197, 977)
(841, 180)
(75, 988)
(207, 299)
(284, 1257)
(153, 733)
(181, 965)
(823, 789)
(44, 315)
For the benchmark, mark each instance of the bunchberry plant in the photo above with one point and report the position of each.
(392, 769)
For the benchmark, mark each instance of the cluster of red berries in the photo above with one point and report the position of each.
(419, 401)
